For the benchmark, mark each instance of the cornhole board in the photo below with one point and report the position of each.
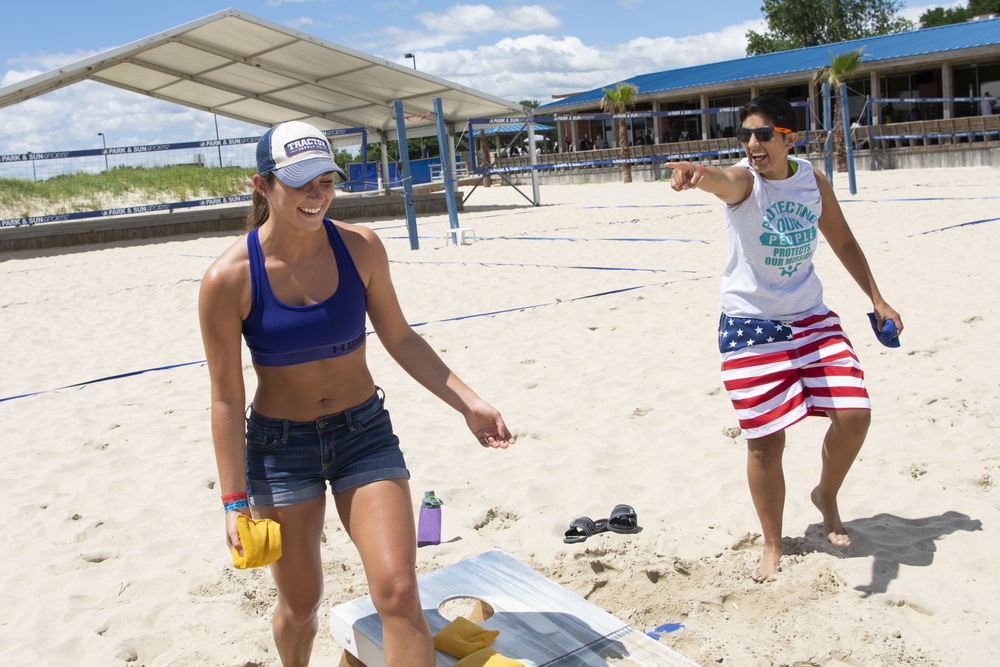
(540, 622)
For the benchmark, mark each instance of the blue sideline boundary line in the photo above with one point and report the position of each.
(549, 266)
(104, 379)
(650, 206)
(564, 238)
(544, 305)
(894, 199)
(961, 224)
(418, 324)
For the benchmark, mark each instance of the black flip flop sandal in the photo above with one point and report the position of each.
(623, 519)
(582, 528)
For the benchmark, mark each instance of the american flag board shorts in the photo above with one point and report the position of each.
(777, 373)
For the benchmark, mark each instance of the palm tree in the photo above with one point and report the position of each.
(619, 100)
(840, 70)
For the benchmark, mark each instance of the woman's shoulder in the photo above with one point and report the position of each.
(357, 238)
(232, 265)
(353, 230)
(363, 244)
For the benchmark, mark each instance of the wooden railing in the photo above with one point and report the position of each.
(912, 134)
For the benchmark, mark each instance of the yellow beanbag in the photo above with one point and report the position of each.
(462, 637)
(261, 540)
(487, 657)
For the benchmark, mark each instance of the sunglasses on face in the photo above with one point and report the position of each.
(763, 134)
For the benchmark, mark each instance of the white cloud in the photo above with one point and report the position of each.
(538, 66)
(455, 26)
(913, 13)
(304, 21)
(463, 19)
(71, 117)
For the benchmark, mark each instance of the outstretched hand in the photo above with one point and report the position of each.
(684, 175)
(488, 426)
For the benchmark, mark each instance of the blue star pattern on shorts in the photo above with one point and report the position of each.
(735, 333)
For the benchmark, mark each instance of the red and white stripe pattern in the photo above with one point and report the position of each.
(777, 380)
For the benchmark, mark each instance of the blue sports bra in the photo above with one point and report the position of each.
(282, 335)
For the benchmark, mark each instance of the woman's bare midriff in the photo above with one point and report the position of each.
(306, 392)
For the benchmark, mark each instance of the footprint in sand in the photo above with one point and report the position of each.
(496, 519)
(89, 532)
(983, 481)
(99, 446)
(99, 556)
(747, 541)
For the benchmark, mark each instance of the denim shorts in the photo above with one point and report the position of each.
(290, 462)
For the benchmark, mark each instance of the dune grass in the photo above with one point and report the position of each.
(121, 186)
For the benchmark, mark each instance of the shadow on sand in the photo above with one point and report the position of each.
(891, 540)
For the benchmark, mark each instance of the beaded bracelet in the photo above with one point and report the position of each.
(235, 505)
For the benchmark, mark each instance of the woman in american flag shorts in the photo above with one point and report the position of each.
(784, 354)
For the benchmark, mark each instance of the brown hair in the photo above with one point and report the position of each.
(259, 208)
(772, 108)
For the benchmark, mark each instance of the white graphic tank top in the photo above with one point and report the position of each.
(771, 238)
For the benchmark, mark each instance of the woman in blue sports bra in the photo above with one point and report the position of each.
(298, 288)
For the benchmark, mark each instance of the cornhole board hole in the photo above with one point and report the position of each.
(540, 622)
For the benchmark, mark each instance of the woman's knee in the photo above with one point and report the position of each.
(396, 595)
(299, 609)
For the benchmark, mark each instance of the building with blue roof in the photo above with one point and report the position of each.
(954, 61)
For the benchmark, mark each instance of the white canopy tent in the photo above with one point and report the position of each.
(243, 67)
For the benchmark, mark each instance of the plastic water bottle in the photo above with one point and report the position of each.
(429, 523)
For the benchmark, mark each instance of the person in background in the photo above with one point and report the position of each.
(784, 353)
(986, 105)
(298, 288)
(888, 114)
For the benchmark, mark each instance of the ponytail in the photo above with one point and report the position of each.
(260, 210)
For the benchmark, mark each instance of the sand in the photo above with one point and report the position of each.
(115, 550)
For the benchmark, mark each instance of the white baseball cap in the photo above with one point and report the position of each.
(296, 152)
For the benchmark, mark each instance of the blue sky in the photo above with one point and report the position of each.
(527, 51)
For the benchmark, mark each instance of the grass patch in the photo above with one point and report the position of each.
(121, 186)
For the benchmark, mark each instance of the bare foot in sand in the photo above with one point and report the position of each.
(833, 527)
(768, 565)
